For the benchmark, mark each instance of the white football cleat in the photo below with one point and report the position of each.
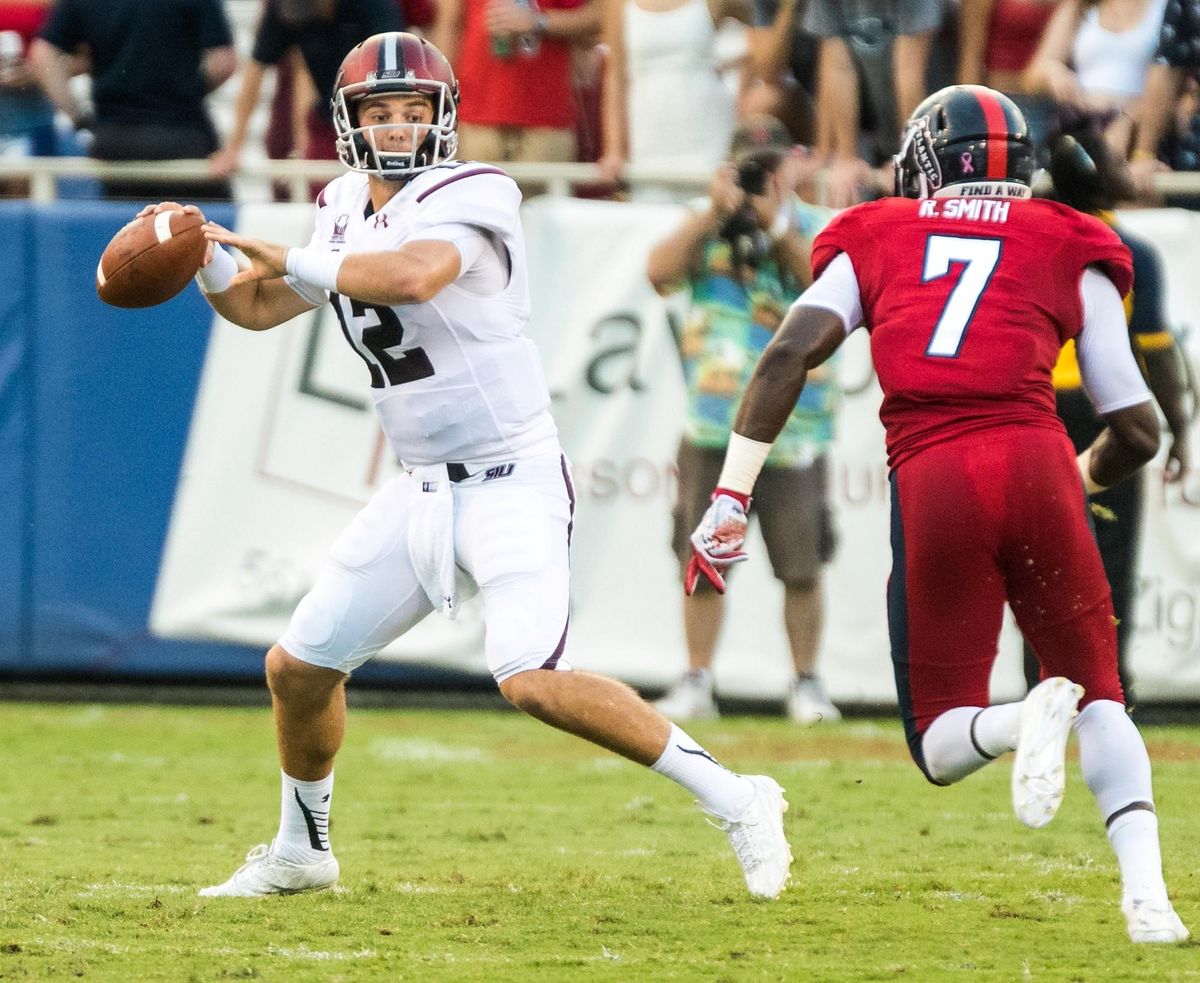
(809, 704)
(265, 873)
(691, 698)
(1153, 921)
(758, 841)
(1039, 768)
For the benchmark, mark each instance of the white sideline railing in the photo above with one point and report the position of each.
(44, 173)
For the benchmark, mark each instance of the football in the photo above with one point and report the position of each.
(151, 259)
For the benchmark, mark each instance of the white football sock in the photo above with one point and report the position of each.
(963, 740)
(720, 791)
(1116, 768)
(1134, 839)
(304, 819)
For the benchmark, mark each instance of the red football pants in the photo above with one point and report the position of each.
(977, 521)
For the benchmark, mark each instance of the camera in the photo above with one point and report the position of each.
(752, 176)
(747, 241)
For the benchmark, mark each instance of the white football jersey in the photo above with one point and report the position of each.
(454, 379)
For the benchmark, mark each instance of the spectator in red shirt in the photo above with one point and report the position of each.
(513, 62)
(997, 40)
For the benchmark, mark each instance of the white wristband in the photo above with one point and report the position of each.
(214, 278)
(315, 266)
(1085, 469)
(744, 459)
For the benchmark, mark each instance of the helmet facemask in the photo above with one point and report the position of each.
(915, 168)
(433, 143)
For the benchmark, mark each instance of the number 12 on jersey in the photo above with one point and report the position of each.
(979, 258)
(382, 346)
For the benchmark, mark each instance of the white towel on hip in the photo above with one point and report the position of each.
(431, 536)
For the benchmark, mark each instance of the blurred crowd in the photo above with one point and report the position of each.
(658, 85)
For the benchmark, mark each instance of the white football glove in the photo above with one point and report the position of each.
(718, 540)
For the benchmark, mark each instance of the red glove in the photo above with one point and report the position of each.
(718, 540)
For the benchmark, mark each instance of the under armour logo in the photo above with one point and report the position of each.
(967, 161)
(381, 220)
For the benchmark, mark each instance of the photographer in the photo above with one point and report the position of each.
(744, 256)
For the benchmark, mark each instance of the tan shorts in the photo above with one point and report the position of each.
(515, 143)
(790, 504)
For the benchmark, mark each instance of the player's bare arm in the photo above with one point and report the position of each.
(1129, 441)
(412, 274)
(251, 303)
(806, 339)
(1164, 373)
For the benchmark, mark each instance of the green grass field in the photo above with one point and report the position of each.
(480, 845)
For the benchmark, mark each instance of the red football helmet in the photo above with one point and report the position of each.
(391, 64)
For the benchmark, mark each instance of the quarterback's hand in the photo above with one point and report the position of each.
(717, 541)
(174, 206)
(169, 206)
(267, 259)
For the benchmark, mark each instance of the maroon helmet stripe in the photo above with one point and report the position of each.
(997, 125)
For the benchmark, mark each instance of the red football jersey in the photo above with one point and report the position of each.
(968, 302)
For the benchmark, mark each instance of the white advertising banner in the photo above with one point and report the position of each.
(284, 449)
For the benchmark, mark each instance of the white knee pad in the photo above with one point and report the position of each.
(317, 618)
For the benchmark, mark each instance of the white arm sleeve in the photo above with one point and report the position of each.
(1106, 364)
(836, 289)
(483, 270)
(314, 295)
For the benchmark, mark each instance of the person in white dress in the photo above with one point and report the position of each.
(665, 102)
(1095, 55)
(423, 260)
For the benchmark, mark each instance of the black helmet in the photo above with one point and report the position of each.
(965, 134)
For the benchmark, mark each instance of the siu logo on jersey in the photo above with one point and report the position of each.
(499, 471)
(339, 229)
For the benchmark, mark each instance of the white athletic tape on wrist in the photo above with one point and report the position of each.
(1090, 485)
(214, 278)
(744, 459)
(315, 266)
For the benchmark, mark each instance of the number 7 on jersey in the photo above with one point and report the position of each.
(979, 258)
